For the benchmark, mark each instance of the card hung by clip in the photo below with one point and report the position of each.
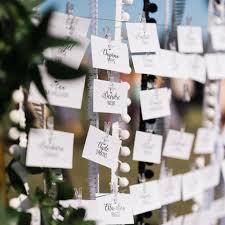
(155, 103)
(147, 147)
(110, 97)
(215, 66)
(178, 144)
(190, 39)
(110, 55)
(142, 37)
(145, 197)
(217, 34)
(101, 147)
(59, 92)
(50, 148)
(205, 141)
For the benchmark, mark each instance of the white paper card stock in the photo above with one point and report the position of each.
(155, 103)
(110, 55)
(196, 67)
(205, 141)
(110, 97)
(142, 37)
(190, 39)
(178, 145)
(50, 148)
(191, 185)
(147, 147)
(145, 197)
(64, 93)
(35, 215)
(115, 209)
(89, 205)
(101, 148)
(170, 189)
(217, 34)
(215, 66)
(223, 169)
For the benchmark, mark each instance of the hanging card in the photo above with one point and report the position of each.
(110, 55)
(64, 93)
(196, 67)
(205, 141)
(89, 205)
(147, 147)
(115, 209)
(110, 97)
(64, 25)
(35, 215)
(142, 37)
(155, 103)
(178, 145)
(170, 190)
(190, 39)
(223, 169)
(215, 66)
(217, 34)
(173, 64)
(145, 197)
(192, 184)
(148, 64)
(50, 148)
(101, 148)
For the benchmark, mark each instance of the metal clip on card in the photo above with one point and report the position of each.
(78, 195)
(108, 36)
(70, 17)
(107, 128)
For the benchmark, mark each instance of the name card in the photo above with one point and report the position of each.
(178, 145)
(192, 185)
(215, 66)
(205, 141)
(35, 215)
(89, 205)
(59, 92)
(110, 97)
(147, 147)
(170, 189)
(190, 39)
(155, 103)
(145, 197)
(50, 148)
(115, 209)
(110, 55)
(196, 67)
(217, 34)
(142, 37)
(101, 148)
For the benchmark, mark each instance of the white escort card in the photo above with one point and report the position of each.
(215, 66)
(147, 147)
(205, 141)
(170, 189)
(155, 103)
(196, 67)
(142, 37)
(50, 148)
(223, 169)
(89, 205)
(192, 184)
(145, 197)
(217, 34)
(178, 144)
(110, 97)
(110, 55)
(35, 215)
(190, 39)
(101, 148)
(64, 93)
(115, 209)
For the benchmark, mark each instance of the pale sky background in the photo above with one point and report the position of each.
(195, 8)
